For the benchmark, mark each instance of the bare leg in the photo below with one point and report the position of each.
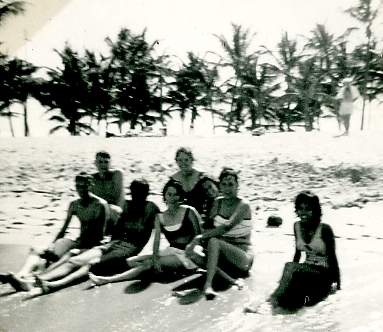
(131, 274)
(32, 262)
(61, 271)
(78, 274)
(216, 248)
(137, 260)
(60, 262)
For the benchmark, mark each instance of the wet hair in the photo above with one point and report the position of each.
(177, 186)
(83, 177)
(139, 189)
(312, 200)
(187, 151)
(103, 154)
(227, 171)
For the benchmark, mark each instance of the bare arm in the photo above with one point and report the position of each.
(118, 181)
(329, 239)
(196, 219)
(297, 255)
(70, 214)
(156, 243)
(241, 213)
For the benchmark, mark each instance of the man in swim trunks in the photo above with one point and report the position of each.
(91, 212)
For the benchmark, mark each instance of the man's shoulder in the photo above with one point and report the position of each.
(116, 172)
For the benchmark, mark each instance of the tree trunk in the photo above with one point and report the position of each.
(11, 125)
(26, 127)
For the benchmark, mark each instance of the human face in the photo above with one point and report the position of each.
(229, 186)
(102, 164)
(305, 212)
(211, 189)
(172, 196)
(184, 161)
(82, 188)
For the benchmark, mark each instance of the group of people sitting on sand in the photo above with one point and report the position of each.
(206, 224)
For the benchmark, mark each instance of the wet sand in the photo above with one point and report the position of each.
(37, 185)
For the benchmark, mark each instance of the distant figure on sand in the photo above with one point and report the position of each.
(347, 95)
(191, 180)
(108, 184)
(179, 224)
(91, 212)
(228, 244)
(309, 282)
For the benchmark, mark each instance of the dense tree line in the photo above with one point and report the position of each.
(133, 85)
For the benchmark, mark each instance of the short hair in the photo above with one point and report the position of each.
(177, 186)
(139, 188)
(227, 171)
(312, 200)
(185, 150)
(103, 154)
(207, 178)
(83, 176)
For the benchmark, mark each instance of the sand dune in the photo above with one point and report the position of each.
(37, 183)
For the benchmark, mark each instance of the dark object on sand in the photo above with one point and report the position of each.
(274, 221)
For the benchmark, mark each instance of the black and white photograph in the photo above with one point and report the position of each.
(189, 165)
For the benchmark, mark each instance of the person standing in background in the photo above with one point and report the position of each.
(347, 95)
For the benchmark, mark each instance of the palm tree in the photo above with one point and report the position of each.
(288, 59)
(366, 14)
(8, 8)
(307, 94)
(15, 85)
(238, 57)
(135, 69)
(22, 85)
(66, 91)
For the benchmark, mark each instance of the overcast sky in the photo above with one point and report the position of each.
(179, 25)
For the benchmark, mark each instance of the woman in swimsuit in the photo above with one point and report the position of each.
(179, 224)
(309, 282)
(192, 180)
(229, 241)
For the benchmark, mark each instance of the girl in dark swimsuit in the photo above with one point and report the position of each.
(179, 224)
(194, 183)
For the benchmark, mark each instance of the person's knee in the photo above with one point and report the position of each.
(213, 243)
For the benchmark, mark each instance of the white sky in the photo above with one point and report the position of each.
(179, 25)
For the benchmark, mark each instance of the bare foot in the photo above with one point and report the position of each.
(251, 308)
(98, 280)
(210, 294)
(45, 286)
(239, 283)
(19, 284)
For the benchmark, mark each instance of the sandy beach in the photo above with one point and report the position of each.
(37, 184)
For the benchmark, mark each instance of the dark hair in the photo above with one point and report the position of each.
(206, 178)
(83, 177)
(139, 189)
(103, 154)
(178, 187)
(187, 151)
(307, 197)
(227, 171)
